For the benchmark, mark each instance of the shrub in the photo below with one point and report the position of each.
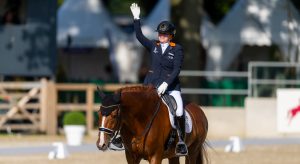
(74, 118)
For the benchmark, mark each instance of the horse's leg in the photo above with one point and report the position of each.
(202, 156)
(156, 159)
(196, 157)
(132, 159)
(191, 159)
(174, 160)
(193, 154)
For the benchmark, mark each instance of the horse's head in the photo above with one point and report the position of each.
(109, 119)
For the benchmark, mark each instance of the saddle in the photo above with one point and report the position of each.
(170, 102)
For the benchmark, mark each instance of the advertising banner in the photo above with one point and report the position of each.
(288, 110)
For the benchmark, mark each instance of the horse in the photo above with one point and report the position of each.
(142, 119)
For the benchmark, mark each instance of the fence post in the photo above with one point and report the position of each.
(43, 105)
(51, 99)
(89, 110)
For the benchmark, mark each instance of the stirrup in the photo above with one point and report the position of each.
(183, 150)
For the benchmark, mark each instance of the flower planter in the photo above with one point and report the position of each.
(74, 134)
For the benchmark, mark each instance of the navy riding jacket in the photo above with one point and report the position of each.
(165, 67)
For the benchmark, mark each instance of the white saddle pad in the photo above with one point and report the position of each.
(188, 120)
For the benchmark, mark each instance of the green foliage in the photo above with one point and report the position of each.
(74, 118)
(296, 3)
(218, 9)
(121, 7)
(59, 2)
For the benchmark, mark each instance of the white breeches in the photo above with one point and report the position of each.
(178, 99)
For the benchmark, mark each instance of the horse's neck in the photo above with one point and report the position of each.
(139, 102)
(137, 110)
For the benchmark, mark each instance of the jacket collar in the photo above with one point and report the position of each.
(171, 45)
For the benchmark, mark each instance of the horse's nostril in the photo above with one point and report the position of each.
(102, 147)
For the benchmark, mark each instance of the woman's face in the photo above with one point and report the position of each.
(164, 38)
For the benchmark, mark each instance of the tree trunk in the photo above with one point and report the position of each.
(186, 15)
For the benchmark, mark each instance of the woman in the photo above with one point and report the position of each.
(167, 58)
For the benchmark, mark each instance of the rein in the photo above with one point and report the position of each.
(146, 130)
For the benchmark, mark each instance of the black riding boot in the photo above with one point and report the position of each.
(181, 148)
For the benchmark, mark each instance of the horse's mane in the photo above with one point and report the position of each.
(145, 94)
(142, 89)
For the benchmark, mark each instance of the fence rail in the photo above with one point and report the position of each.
(46, 110)
(214, 74)
(254, 81)
(43, 112)
(89, 106)
(215, 91)
(18, 106)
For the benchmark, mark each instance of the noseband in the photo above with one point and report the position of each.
(106, 111)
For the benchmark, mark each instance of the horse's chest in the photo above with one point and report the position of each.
(137, 146)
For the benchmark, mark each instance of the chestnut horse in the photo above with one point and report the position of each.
(143, 120)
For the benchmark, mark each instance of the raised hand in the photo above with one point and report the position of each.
(135, 10)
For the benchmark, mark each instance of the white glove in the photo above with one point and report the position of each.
(135, 9)
(162, 88)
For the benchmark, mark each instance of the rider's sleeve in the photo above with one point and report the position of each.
(140, 36)
(178, 60)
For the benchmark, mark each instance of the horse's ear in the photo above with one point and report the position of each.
(101, 93)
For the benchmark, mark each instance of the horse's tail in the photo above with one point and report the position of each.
(203, 155)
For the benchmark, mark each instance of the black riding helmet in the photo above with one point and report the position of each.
(166, 27)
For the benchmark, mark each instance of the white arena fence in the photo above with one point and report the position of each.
(263, 78)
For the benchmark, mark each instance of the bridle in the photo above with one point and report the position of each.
(114, 133)
(106, 111)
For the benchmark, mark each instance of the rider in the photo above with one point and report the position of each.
(167, 58)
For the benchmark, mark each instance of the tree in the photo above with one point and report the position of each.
(186, 15)
(217, 9)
